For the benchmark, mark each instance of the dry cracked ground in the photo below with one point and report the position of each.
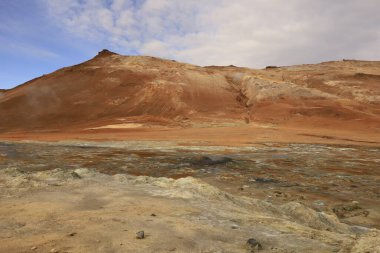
(95, 197)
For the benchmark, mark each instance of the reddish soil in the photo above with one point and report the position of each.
(225, 136)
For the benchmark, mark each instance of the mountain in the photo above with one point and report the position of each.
(116, 91)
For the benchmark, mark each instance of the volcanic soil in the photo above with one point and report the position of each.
(202, 159)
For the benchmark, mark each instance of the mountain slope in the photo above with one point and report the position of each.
(112, 89)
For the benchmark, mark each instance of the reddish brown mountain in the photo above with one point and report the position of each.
(116, 91)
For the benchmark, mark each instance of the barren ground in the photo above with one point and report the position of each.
(86, 196)
(200, 158)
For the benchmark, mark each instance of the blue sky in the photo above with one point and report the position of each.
(40, 36)
(31, 45)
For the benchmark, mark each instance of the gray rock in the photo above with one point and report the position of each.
(75, 175)
(212, 160)
(263, 180)
(140, 235)
(253, 245)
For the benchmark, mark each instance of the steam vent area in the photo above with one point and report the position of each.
(143, 154)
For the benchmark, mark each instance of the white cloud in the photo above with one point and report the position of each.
(251, 33)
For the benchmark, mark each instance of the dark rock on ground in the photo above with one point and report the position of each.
(212, 160)
(262, 180)
(140, 235)
(253, 245)
(75, 175)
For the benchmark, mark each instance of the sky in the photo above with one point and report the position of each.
(41, 36)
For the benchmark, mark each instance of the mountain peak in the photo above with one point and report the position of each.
(105, 52)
